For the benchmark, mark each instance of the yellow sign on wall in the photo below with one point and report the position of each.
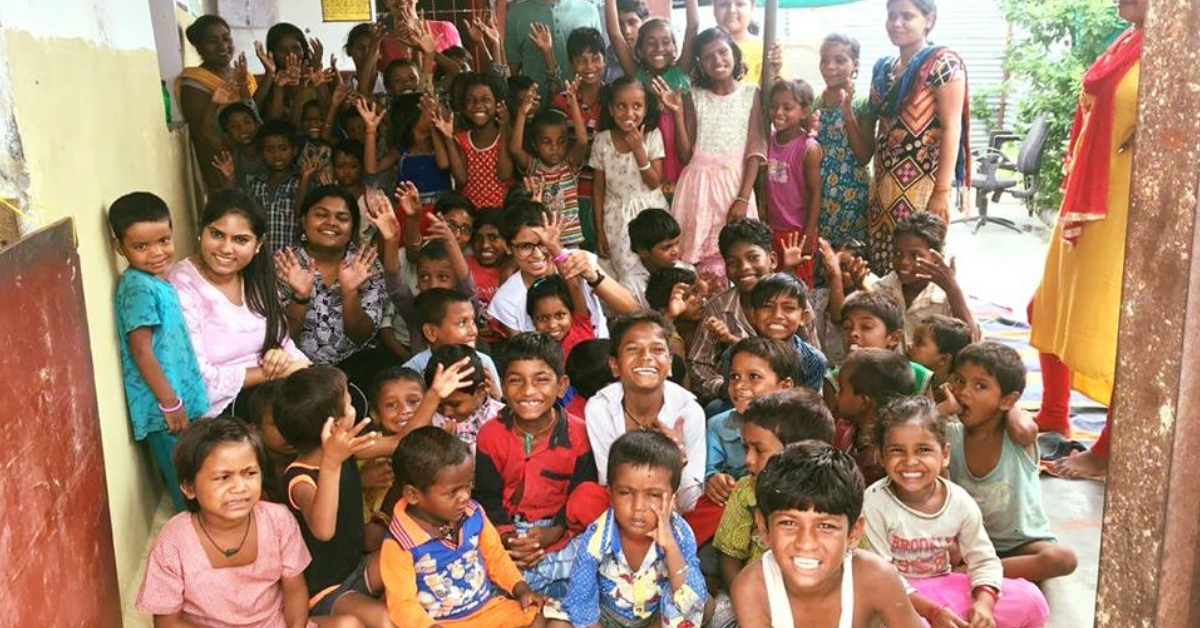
(346, 10)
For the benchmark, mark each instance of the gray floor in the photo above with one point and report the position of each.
(1001, 266)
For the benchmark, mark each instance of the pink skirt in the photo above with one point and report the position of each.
(706, 188)
(1021, 603)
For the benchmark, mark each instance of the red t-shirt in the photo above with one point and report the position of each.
(581, 329)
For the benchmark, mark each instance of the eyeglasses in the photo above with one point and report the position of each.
(525, 249)
(459, 228)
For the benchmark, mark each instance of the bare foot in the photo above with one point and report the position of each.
(1082, 466)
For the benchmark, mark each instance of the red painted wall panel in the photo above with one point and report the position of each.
(56, 549)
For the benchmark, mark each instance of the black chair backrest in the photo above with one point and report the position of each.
(1029, 157)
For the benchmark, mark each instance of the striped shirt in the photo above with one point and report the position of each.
(561, 196)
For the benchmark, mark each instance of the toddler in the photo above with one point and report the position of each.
(935, 342)
(868, 380)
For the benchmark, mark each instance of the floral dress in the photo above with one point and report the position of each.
(844, 182)
(625, 195)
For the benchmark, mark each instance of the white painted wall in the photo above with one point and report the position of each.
(250, 19)
(121, 25)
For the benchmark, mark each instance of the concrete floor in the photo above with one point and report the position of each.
(1000, 266)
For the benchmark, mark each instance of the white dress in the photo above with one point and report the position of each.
(625, 196)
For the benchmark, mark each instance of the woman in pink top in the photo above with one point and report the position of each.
(227, 290)
(231, 560)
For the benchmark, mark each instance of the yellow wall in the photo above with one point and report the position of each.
(92, 126)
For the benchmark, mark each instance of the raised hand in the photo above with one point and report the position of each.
(775, 59)
(439, 229)
(448, 380)
(424, 37)
(671, 99)
(550, 230)
(223, 162)
(354, 271)
(793, 250)
(264, 57)
(226, 93)
(444, 123)
(309, 166)
(677, 302)
(341, 439)
(379, 212)
(539, 34)
(858, 271)
(936, 270)
(318, 52)
(719, 329)
(829, 259)
(536, 186)
(289, 270)
(241, 74)
(408, 198)
(372, 114)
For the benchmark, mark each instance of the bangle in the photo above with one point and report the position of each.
(175, 408)
(945, 189)
(562, 256)
(599, 279)
(645, 167)
(744, 199)
(988, 589)
(301, 300)
(682, 570)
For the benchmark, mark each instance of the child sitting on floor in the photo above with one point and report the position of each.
(448, 318)
(636, 565)
(443, 563)
(845, 273)
(314, 413)
(780, 312)
(587, 369)
(935, 342)
(394, 395)
(456, 398)
(867, 381)
(993, 455)
(874, 320)
(533, 466)
(809, 501)
(222, 563)
(488, 264)
(279, 453)
(654, 237)
(770, 423)
(679, 296)
(915, 517)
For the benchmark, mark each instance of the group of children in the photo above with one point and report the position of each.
(627, 401)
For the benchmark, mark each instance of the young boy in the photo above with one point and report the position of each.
(447, 317)
(745, 244)
(637, 563)
(780, 312)
(993, 455)
(654, 236)
(922, 280)
(874, 320)
(630, 14)
(757, 366)
(769, 423)
(277, 191)
(810, 499)
(163, 386)
(488, 265)
(240, 125)
(280, 454)
(935, 342)
(457, 395)
(314, 413)
(678, 295)
(394, 395)
(585, 50)
(533, 465)
(867, 381)
(443, 563)
(587, 369)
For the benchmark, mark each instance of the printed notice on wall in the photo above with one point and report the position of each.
(346, 10)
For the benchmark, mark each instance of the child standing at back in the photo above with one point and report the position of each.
(278, 190)
(552, 158)
(164, 389)
(810, 499)
(314, 413)
(993, 455)
(479, 159)
(793, 171)
(723, 147)
(843, 209)
(915, 516)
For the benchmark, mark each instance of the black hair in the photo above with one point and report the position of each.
(515, 85)
(392, 374)
(708, 36)
(199, 439)
(917, 409)
(928, 8)
(588, 368)
(877, 304)
(307, 398)
(879, 374)
(276, 127)
(359, 31)
(485, 79)
(451, 201)
(929, 227)
(315, 195)
(779, 355)
(662, 281)
(434, 251)
(350, 148)
(650, 227)
(798, 88)
(258, 277)
(842, 39)
(950, 335)
(853, 246)
(747, 230)
(404, 113)
(542, 120)
(195, 31)
(548, 287)
(533, 345)
(136, 207)
(649, 24)
(433, 304)
(493, 216)
(262, 400)
(775, 285)
(285, 29)
(1000, 361)
(633, 6)
(400, 63)
(446, 355)
(623, 323)
(584, 39)
(811, 475)
(313, 103)
(519, 215)
(792, 415)
(642, 449)
(229, 110)
(609, 93)
(421, 455)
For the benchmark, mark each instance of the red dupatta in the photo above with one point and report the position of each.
(1085, 188)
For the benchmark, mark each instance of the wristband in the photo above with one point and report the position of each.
(680, 571)
(645, 167)
(562, 256)
(175, 408)
(599, 279)
(742, 199)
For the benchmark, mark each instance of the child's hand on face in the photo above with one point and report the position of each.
(549, 232)
(950, 406)
(340, 439)
(937, 271)
(297, 277)
(794, 246)
(448, 380)
(671, 99)
(662, 531)
(719, 487)
(357, 270)
(377, 474)
(408, 198)
(677, 302)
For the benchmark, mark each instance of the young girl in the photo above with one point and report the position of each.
(914, 516)
(394, 396)
(555, 161)
(231, 559)
(723, 149)
(843, 209)
(654, 57)
(736, 17)
(558, 308)
(793, 171)
(419, 155)
(481, 166)
(627, 157)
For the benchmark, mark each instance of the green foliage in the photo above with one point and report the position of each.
(1052, 45)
